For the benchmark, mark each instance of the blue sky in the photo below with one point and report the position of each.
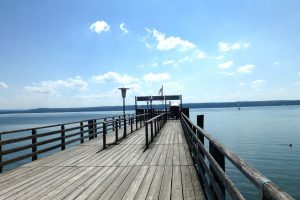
(64, 53)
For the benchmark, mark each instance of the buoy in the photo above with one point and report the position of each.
(290, 145)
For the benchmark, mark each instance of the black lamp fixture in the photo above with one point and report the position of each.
(123, 92)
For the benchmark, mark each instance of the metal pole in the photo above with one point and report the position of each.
(124, 107)
(151, 108)
(147, 106)
(135, 105)
(180, 101)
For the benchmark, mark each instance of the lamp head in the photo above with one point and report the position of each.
(123, 91)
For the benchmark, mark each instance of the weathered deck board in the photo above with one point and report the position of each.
(122, 171)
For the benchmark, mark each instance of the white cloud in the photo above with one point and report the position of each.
(173, 88)
(135, 88)
(39, 89)
(228, 73)
(123, 29)
(276, 63)
(258, 83)
(246, 45)
(186, 59)
(168, 43)
(175, 65)
(225, 47)
(168, 62)
(113, 77)
(113, 96)
(219, 57)
(151, 77)
(99, 26)
(299, 73)
(154, 64)
(246, 69)
(225, 65)
(201, 55)
(46, 87)
(149, 46)
(3, 85)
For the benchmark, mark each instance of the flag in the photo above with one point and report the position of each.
(161, 91)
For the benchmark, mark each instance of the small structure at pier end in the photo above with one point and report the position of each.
(172, 110)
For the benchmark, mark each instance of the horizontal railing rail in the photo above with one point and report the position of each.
(18, 145)
(116, 124)
(156, 124)
(213, 171)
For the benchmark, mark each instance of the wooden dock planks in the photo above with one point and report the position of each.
(122, 171)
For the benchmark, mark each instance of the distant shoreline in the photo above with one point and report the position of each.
(132, 107)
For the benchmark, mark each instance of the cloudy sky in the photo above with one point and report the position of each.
(76, 53)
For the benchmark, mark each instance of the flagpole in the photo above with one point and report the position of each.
(161, 93)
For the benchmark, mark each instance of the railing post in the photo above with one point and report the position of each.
(155, 126)
(125, 131)
(91, 131)
(151, 123)
(113, 125)
(140, 122)
(146, 128)
(220, 159)
(200, 123)
(136, 123)
(1, 168)
(120, 123)
(166, 116)
(63, 141)
(34, 141)
(95, 127)
(131, 125)
(117, 130)
(104, 135)
(81, 133)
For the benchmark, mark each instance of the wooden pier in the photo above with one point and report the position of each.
(121, 171)
(148, 155)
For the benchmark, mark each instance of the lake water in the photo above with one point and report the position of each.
(260, 135)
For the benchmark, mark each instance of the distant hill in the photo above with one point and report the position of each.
(243, 104)
(132, 107)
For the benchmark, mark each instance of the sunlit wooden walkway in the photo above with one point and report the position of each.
(123, 171)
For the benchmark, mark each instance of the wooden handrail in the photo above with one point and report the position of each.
(77, 131)
(156, 123)
(267, 188)
(55, 125)
(115, 124)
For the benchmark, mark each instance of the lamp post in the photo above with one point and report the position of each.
(123, 92)
(151, 113)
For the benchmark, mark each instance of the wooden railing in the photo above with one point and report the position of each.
(115, 124)
(29, 143)
(156, 124)
(212, 172)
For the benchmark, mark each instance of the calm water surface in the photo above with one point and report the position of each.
(260, 135)
(29, 120)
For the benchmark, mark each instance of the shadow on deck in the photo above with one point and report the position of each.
(122, 171)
